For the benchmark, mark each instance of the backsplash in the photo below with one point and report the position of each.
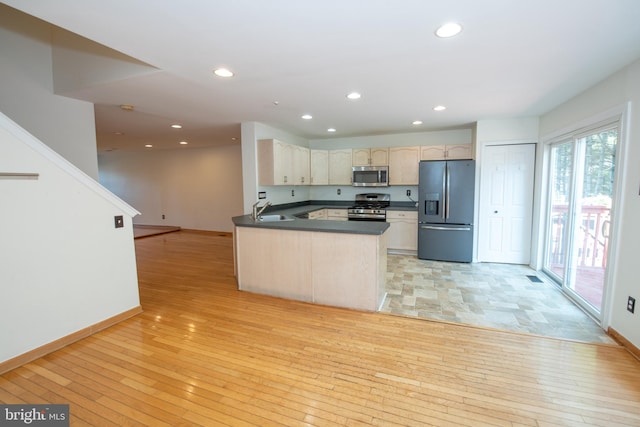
(279, 195)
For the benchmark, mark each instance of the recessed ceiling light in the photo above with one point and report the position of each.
(448, 30)
(439, 108)
(222, 72)
(307, 116)
(331, 130)
(148, 145)
(354, 95)
(183, 142)
(176, 126)
(416, 122)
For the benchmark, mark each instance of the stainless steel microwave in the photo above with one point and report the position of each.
(370, 176)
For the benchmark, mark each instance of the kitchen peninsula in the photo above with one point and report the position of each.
(337, 263)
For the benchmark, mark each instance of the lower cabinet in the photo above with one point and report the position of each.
(337, 214)
(403, 231)
(319, 214)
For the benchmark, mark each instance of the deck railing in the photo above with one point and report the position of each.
(592, 237)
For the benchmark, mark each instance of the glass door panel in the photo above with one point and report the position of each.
(580, 198)
(594, 195)
(560, 192)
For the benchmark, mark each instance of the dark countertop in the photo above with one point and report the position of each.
(320, 225)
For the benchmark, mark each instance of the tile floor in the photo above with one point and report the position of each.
(484, 294)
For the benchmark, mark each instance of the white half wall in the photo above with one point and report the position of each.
(194, 188)
(64, 267)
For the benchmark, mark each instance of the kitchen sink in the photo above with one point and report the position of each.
(273, 218)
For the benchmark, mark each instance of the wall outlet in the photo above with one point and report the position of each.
(119, 221)
(408, 193)
(339, 191)
(262, 195)
(631, 304)
(162, 216)
(293, 193)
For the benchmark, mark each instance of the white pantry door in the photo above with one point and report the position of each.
(506, 203)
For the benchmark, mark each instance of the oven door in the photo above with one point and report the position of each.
(366, 217)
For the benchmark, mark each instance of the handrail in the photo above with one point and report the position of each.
(19, 175)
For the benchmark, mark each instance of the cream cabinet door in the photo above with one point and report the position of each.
(275, 162)
(337, 214)
(459, 151)
(446, 152)
(404, 163)
(319, 167)
(370, 156)
(319, 214)
(361, 157)
(379, 156)
(283, 163)
(301, 169)
(340, 167)
(432, 152)
(403, 230)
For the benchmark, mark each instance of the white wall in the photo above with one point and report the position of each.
(26, 92)
(63, 265)
(457, 136)
(619, 91)
(195, 188)
(521, 130)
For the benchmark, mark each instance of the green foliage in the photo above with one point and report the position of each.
(596, 157)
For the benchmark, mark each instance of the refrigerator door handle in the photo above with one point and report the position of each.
(448, 188)
(444, 193)
(432, 227)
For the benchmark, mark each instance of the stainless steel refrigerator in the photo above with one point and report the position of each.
(445, 210)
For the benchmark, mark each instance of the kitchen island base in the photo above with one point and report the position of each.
(336, 269)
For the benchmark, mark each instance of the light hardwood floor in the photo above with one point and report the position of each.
(203, 353)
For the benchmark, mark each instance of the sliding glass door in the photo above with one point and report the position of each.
(581, 185)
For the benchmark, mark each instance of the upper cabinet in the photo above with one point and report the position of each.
(370, 157)
(446, 152)
(275, 162)
(280, 163)
(301, 168)
(319, 167)
(459, 151)
(340, 167)
(404, 163)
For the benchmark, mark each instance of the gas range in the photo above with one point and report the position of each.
(369, 207)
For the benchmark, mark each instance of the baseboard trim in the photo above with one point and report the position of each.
(624, 342)
(36, 353)
(208, 232)
(402, 252)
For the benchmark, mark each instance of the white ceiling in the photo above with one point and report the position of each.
(514, 58)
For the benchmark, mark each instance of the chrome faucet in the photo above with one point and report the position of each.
(257, 212)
